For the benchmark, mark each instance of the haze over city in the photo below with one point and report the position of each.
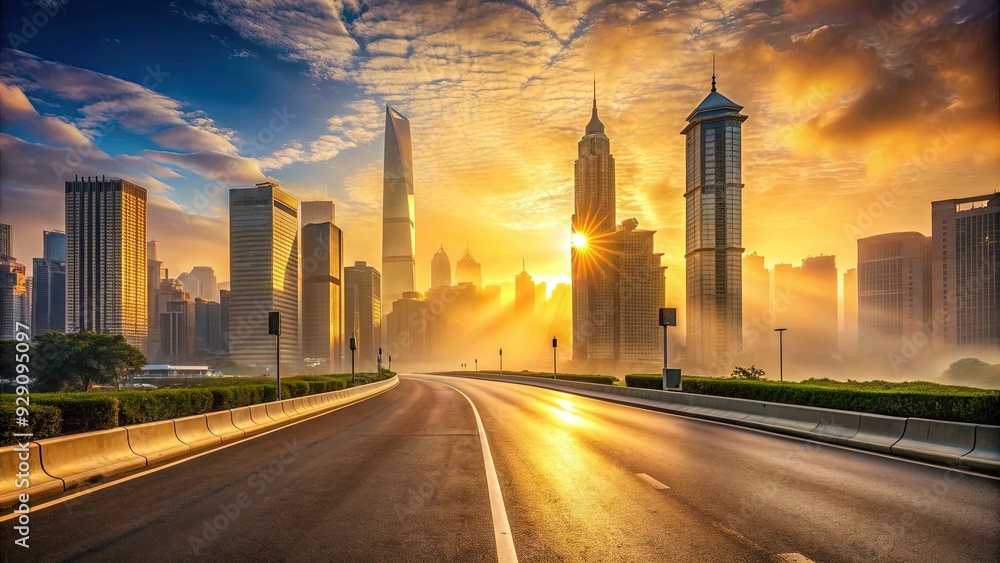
(859, 115)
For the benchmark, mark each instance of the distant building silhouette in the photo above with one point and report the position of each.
(177, 330)
(593, 257)
(191, 284)
(524, 296)
(106, 262)
(207, 326)
(758, 316)
(322, 290)
(819, 305)
(641, 294)
(48, 296)
(398, 229)
(714, 232)
(224, 302)
(264, 272)
(440, 269)
(849, 336)
(207, 283)
(965, 283)
(406, 330)
(155, 275)
(467, 270)
(5, 241)
(363, 300)
(894, 290)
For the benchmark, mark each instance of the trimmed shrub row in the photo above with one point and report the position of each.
(137, 407)
(975, 406)
(82, 412)
(43, 421)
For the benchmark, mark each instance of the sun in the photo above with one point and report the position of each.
(579, 240)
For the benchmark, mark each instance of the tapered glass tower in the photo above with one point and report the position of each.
(398, 231)
(714, 232)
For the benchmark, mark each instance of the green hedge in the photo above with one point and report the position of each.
(583, 378)
(137, 407)
(294, 389)
(977, 406)
(235, 396)
(82, 412)
(44, 422)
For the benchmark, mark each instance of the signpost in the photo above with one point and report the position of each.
(671, 377)
(354, 346)
(501, 361)
(274, 327)
(554, 345)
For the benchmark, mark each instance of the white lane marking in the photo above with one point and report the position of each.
(794, 558)
(94, 489)
(501, 526)
(605, 400)
(651, 482)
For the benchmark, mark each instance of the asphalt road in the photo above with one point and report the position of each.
(401, 477)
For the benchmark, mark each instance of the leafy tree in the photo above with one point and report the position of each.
(751, 372)
(78, 360)
(972, 371)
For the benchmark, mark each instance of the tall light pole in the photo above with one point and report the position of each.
(554, 345)
(671, 377)
(501, 361)
(781, 367)
(390, 362)
(354, 346)
(378, 361)
(274, 327)
(477, 363)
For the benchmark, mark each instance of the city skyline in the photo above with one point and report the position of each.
(799, 138)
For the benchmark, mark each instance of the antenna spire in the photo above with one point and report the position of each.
(595, 90)
(713, 72)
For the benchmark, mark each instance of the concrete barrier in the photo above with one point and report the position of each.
(836, 425)
(936, 441)
(275, 411)
(876, 432)
(78, 457)
(289, 409)
(35, 481)
(259, 415)
(243, 421)
(986, 455)
(193, 431)
(221, 424)
(156, 441)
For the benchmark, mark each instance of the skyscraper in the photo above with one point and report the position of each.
(440, 269)
(965, 257)
(207, 326)
(5, 241)
(714, 232)
(191, 284)
(893, 291)
(820, 304)
(406, 330)
(106, 264)
(363, 293)
(524, 295)
(322, 292)
(849, 336)
(13, 298)
(177, 330)
(155, 275)
(641, 294)
(467, 270)
(398, 229)
(207, 283)
(264, 269)
(48, 298)
(593, 256)
(224, 318)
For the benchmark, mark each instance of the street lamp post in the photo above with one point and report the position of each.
(781, 367)
(354, 346)
(378, 361)
(390, 362)
(477, 363)
(554, 345)
(501, 361)
(671, 377)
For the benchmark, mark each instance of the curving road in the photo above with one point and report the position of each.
(402, 477)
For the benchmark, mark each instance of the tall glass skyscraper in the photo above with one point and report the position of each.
(363, 311)
(322, 290)
(264, 273)
(593, 255)
(48, 298)
(398, 230)
(714, 232)
(106, 266)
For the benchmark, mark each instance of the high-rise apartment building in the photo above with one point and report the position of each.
(322, 290)
(106, 262)
(207, 326)
(467, 270)
(820, 305)
(965, 283)
(849, 335)
(524, 295)
(48, 296)
(177, 331)
(398, 228)
(264, 273)
(714, 244)
(363, 292)
(894, 290)
(593, 258)
(641, 294)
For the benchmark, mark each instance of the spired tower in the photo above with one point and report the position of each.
(714, 232)
(398, 231)
(593, 258)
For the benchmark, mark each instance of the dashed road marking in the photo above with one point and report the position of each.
(651, 482)
(794, 558)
